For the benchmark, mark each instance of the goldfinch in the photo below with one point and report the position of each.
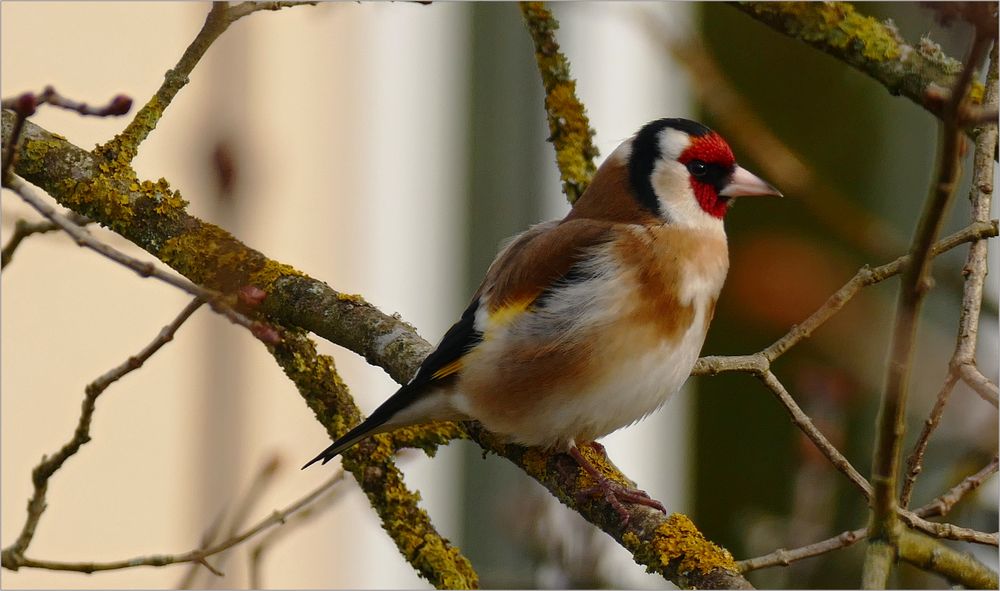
(587, 324)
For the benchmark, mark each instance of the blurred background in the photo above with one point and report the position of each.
(388, 149)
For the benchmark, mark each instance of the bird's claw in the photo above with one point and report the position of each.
(613, 492)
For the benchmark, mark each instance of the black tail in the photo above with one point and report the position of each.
(372, 425)
(362, 431)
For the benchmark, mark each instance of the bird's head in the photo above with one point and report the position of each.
(677, 170)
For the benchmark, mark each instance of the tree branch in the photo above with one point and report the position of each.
(154, 217)
(944, 503)
(866, 276)
(872, 47)
(13, 555)
(372, 465)
(914, 464)
(759, 363)
(670, 546)
(946, 531)
(118, 105)
(24, 228)
(143, 268)
(958, 567)
(126, 144)
(569, 128)
(963, 360)
(199, 555)
(782, 557)
(884, 529)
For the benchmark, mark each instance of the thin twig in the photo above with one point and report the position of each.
(947, 530)
(13, 555)
(238, 11)
(24, 228)
(980, 196)
(782, 557)
(963, 364)
(979, 383)
(916, 550)
(805, 424)
(982, 116)
(117, 106)
(275, 518)
(943, 504)
(143, 268)
(914, 464)
(208, 537)
(219, 18)
(710, 365)
(884, 528)
(866, 277)
(26, 104)
(23, 107)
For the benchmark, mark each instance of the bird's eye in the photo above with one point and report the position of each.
(697, 168)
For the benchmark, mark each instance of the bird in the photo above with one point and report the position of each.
(588, 324)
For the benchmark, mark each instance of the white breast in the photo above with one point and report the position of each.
(638, 383)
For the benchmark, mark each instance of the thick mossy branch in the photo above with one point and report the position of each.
(871, 46)
(104, 187)
(669, 545)
(569, 128)
(373, 467)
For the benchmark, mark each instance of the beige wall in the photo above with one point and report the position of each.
(299, 93)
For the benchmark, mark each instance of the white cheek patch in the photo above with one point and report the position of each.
(673, 189)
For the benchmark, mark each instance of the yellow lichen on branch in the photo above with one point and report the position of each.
(677, 546)
(569, 128)
(838, 25)
(869, 45)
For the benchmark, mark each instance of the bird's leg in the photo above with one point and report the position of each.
(612, 491)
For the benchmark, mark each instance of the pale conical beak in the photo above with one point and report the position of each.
(743, 183)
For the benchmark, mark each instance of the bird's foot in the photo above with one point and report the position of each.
(613, 492)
